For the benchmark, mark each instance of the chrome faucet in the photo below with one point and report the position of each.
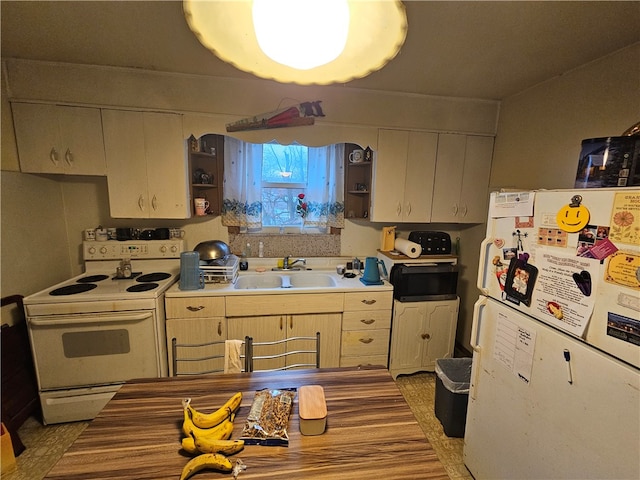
(286, 265)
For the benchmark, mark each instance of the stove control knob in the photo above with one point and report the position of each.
(103, 250)
(92, 250)
(163, 249)
(174, 248)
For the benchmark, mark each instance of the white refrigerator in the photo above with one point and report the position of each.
(555, 382)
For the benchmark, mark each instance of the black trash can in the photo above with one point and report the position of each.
(453, 376)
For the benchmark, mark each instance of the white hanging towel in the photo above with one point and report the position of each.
(232, 362)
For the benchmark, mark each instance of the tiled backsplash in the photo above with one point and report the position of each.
(277, 245)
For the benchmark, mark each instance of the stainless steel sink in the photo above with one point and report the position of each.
(274, 280)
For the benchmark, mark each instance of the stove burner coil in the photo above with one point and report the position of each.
(92, 278)
(142, 287)
(153, 277)
(73, 289)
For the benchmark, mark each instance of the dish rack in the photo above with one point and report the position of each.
(224, 271)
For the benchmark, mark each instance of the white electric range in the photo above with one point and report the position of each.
(95, 331)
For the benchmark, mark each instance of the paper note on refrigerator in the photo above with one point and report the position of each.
(511, 204)
(514, 346)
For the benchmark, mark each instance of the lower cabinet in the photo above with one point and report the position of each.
(196, 320)
(270, 328)
(366, 324)
(421, 333)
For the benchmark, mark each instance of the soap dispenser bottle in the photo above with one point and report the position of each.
(244, 262)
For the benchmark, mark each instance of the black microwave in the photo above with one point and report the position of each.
(424, 282)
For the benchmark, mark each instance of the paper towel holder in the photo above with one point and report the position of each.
(388, 239)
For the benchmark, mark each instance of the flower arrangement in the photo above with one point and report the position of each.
(302, 208)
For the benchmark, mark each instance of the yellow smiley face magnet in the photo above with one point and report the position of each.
(573, 217)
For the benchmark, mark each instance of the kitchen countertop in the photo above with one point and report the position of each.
(371, 431)
(326, 266)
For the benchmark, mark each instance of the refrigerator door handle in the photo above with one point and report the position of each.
(480, 304)
(482, 266)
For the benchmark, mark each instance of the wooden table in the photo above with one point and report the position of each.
(371, 432)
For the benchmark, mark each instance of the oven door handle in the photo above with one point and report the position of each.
(75, 321)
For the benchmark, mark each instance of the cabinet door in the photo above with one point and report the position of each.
(126, 163)
(82, 143)
(441, 319)
(329, 326)
(420, 171)
(474, 196)
(195, 331)
(262, 329)
(407, 342)
(389, 175)
(448, 178)
(57, 139)
(168, 184)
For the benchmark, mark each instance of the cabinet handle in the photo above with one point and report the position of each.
(53, 155)
(368, 302)
(425, 336)
(291, 322)
(366, 340)
(464, 211)
(68, 156)
(154, 203)
(408, 208)
(455, 208)
(141, 203)
(281, 322)
(219, 328)
(195, 309)
(367, 321)
(398, 209)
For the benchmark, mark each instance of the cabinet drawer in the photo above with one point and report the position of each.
(365, 342)
(195, 307)
(366, 320)
(253, 305)
(364, 361)
(368, 301)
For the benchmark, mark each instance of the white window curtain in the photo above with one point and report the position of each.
(324, 193)
(325, 188)
(242, 201)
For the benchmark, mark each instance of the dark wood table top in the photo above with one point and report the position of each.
(371, 432)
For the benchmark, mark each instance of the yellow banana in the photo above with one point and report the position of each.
(225, 447)
(189, 445)
(213, 461)
(208, 420)
(220, 431)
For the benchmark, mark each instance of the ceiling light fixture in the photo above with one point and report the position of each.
(301, 41)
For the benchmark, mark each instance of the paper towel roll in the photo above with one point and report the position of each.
(410, 249)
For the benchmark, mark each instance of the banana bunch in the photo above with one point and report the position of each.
(207, 435)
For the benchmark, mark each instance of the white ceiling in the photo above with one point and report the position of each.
(488, 50)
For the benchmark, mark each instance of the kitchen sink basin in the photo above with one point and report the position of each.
(307, 280)
(258, 281)
(301, 280)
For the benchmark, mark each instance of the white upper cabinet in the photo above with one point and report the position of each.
(59, 139)
(146, 165)
(461, 184)
(403, 176)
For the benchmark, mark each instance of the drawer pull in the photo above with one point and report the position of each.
(219, 328)
(367, 321)
(368, 302)
(425, 336)
(366, 340)
(195, 309)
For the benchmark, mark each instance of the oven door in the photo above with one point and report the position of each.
(93, 349)
(424, 282)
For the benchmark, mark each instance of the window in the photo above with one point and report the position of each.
(281, 186)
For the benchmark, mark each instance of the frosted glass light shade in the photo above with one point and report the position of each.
(376, 31)
(275, 20)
